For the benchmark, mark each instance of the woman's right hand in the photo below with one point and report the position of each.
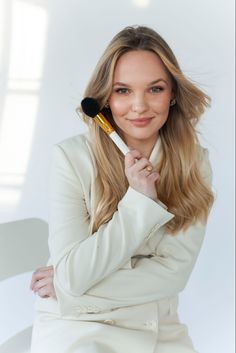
(139, 178)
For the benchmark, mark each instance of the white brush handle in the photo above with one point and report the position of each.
(119, 142)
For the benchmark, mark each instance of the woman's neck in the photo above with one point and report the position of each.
(144, 147)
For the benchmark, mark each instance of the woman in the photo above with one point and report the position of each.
(125, 231)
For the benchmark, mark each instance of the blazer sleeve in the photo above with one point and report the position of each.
(166, 273)
(80, 261)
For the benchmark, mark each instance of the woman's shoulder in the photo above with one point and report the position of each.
(76, 150)
(74, 143)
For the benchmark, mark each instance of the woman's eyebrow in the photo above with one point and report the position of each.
(151, 83)
(158, 80)
(120, 84)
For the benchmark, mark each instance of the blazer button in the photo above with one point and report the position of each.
(109, 322)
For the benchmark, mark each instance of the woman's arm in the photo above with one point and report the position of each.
(164, 274)
(81, 261)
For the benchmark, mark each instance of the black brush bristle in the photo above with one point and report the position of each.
(90, 106)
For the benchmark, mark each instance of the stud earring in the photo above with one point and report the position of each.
(107, 105)
(172, 102)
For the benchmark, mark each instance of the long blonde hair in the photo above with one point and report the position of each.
(181, 186)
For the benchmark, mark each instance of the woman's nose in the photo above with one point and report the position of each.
(139, 104)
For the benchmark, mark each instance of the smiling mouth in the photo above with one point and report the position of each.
(140, 120)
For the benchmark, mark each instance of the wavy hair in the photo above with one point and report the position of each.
(181, 186)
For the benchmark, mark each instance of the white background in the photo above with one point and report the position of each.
(48, 49)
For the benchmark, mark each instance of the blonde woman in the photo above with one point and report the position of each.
(125, 231)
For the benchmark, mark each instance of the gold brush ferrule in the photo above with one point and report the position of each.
(103, 123)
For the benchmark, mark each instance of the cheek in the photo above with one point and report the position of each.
(118, 107)
(161, 105)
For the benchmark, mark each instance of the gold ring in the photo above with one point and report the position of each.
(149, 168)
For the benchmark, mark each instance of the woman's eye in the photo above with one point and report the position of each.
(122, 90)
(156, 89)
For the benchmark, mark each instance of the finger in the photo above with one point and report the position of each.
(36, 277)
(42, 270)
(47, 291)
(135, 153)
(144, 173)
(41, 283)
(154, 176)
(40, 274)
(44, 292)
(130, 158)
(141, 164)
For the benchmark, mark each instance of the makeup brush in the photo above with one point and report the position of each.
(91, 108)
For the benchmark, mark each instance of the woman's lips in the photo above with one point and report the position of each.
(141, 122)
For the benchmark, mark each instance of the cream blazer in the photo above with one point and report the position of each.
(130, 260)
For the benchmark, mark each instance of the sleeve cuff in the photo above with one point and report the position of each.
(155, 212)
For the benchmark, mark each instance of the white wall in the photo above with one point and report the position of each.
(47, 52)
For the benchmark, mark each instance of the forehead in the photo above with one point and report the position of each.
(140, 64)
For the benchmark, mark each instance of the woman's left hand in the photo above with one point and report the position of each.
(42, 282)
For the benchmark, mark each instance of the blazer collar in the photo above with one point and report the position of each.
(155, 154)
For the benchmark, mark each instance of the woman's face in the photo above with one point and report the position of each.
(141, 94)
